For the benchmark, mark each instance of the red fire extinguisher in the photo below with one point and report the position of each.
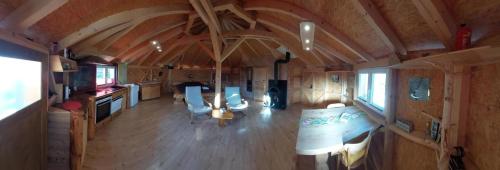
(463, 41)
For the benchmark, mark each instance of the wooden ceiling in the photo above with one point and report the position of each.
(347, 31)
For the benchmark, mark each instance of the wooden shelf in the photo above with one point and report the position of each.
(470, 57)
(61, 64)
(415, 136)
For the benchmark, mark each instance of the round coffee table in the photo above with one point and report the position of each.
(222, 115)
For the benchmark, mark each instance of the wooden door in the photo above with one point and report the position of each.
(260, 80)
(313, 87)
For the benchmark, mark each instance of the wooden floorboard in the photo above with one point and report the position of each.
(156, 134)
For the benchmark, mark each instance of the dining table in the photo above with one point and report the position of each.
(324, 131)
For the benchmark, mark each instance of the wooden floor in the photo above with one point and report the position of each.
(156, 134)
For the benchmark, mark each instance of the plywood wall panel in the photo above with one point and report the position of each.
(410, 155)
(483, 126)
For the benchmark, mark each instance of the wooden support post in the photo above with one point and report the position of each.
(218, 83)
(390, 116)
(455, 110)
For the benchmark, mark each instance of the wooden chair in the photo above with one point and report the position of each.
(355, 154)
(335, 105)
(196, 105)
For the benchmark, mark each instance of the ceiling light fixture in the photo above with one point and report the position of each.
(307, 35)
(154, 42)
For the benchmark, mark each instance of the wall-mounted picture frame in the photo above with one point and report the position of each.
(419, 88)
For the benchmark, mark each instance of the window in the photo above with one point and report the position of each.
(371, 87)
(21, 89)
(105, 75)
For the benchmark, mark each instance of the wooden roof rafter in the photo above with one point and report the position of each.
(271, 50)
(145, 46)
(229, 50)
(179, 52)
(302, 14)
(372, 15)
(439, 18)
(287, 28)
(207, 50)
(149, 36)
(122, 17)
(90, 42)
(30, 13)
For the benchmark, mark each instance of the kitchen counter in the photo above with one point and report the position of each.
(106, 91)
(150, 90)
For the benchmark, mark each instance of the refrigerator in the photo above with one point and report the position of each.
(133, 94)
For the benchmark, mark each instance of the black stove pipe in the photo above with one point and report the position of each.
(276, 65)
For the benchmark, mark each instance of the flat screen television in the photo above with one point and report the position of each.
(21, 84)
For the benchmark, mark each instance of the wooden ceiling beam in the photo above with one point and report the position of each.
(292, 10)
(140, 56)
(143, 59)
(169, 49)
(100, 37)
(145, 46)
(207, 50)
(315, 55)
(30, 13)
(212, 16)
(266, 59)
(229, 50)
(149, 36)
(273, 51)
(203, 12)
(336, 54)
(372, 15)
(181, 51)
(292, 32)
(190, 21)
(122, 17)
(439, 18)
(328, 56)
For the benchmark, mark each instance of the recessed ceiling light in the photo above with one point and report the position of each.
(307, 27)
(154, 42)
(307, 48)
(307, 41)
(160, 50)
(158, 47)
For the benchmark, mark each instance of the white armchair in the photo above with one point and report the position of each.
(195, 103)
(234, 102)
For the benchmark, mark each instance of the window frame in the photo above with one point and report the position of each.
(106, 68)
(368, 101)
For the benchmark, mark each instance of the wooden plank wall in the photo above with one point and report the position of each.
(23, 135)
(409, 155)
(483, 126)
(319, 90)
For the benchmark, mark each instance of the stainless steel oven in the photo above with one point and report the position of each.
(103, 108)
